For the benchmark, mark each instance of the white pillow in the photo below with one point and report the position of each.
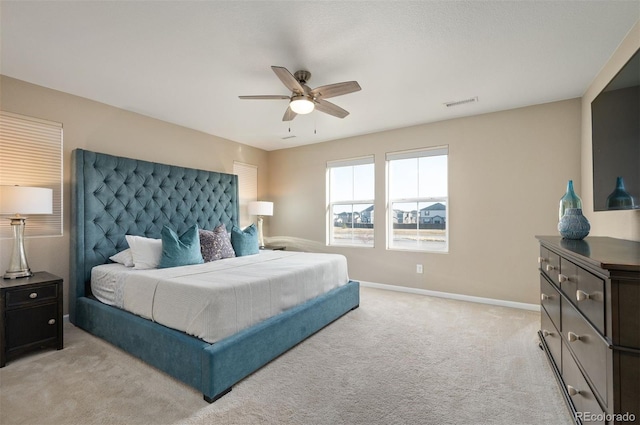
(146, 252)
(123, 257)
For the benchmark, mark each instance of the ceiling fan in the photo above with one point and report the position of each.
(303, 99)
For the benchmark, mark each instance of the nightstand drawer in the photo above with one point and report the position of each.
(27, 326)
(35, 294)
(589, 348)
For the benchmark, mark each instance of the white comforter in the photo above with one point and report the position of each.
(217, 299)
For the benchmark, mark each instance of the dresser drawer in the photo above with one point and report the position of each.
(581, 394)
(585, 290)
(34, 294)
(549, 263)
(550, 300)
(589, 348)
(552, 338)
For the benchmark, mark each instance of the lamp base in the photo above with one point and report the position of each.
(18, 274)
(260, 235)
(18, 266)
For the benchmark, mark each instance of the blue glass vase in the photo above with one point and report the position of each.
(620, 199)
(574, 225)
(569, 200)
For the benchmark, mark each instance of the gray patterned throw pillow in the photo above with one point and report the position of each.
(216, 244)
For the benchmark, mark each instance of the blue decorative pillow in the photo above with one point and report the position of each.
(180, 251)
(245, 242)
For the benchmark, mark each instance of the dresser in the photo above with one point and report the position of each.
(30, 314)
(590, 325)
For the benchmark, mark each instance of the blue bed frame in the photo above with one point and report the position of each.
(113, 196)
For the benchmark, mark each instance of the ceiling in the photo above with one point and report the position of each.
(187, 62)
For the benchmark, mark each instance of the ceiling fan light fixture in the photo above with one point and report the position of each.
(301, 105)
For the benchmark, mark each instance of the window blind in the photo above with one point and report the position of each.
(352, 161)
(418, 153)
(247, 188)
(31, 155)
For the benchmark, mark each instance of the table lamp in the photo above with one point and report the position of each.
(260, 208)
(22, 200)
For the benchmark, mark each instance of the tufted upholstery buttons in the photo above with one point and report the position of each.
(127, 196)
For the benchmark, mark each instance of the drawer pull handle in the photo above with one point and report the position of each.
(52, 321)
(581, 295)
(563, 278)
(573, 337)
(546, 333)
(541, 260)
(572, 390)
(544, 297)
(33, 295)
(550, 267)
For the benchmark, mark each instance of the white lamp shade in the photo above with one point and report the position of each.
(301, 105)
(260, 208)
(25, 200)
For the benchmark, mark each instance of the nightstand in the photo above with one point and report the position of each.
(275, 248)
(30, 314)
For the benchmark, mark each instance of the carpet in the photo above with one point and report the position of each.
(398, 359)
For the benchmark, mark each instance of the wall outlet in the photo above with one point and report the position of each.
(418, 268)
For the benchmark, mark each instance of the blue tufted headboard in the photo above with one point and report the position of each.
(114, 196)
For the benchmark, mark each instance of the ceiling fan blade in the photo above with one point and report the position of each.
(266, 96)
(288, 80)
(338, 89)
(330, 108)
(288, 115)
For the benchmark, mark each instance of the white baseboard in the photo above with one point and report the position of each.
(502, 303)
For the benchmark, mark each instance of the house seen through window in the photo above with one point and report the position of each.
(418, 195)
(351, 198)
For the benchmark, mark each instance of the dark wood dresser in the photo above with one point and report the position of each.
(590, 325)
(30, 314)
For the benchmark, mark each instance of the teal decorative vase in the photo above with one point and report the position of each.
(620, 199)
(569, 200)
(574, 225)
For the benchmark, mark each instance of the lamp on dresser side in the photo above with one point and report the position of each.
(19, 200)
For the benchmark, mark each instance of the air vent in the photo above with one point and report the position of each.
(288, 137)
(461, 102)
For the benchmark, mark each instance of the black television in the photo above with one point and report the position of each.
(615, 130)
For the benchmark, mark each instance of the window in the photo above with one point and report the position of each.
(31, 155)
(418, 195)
(350, 213)
(247, 189)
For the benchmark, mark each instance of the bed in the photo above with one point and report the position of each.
(115, 196)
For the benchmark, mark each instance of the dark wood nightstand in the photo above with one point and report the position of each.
(275, 248)
(30, 314)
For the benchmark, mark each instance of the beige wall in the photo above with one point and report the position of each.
(98, 127)
(618, 224)
(507, 172)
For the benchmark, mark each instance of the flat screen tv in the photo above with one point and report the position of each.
(615, 126)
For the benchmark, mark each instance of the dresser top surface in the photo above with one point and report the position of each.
(602, 252)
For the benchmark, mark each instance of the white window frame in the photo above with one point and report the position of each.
(364, 160)
(409, 154)
(247, 189)
(31, 152)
